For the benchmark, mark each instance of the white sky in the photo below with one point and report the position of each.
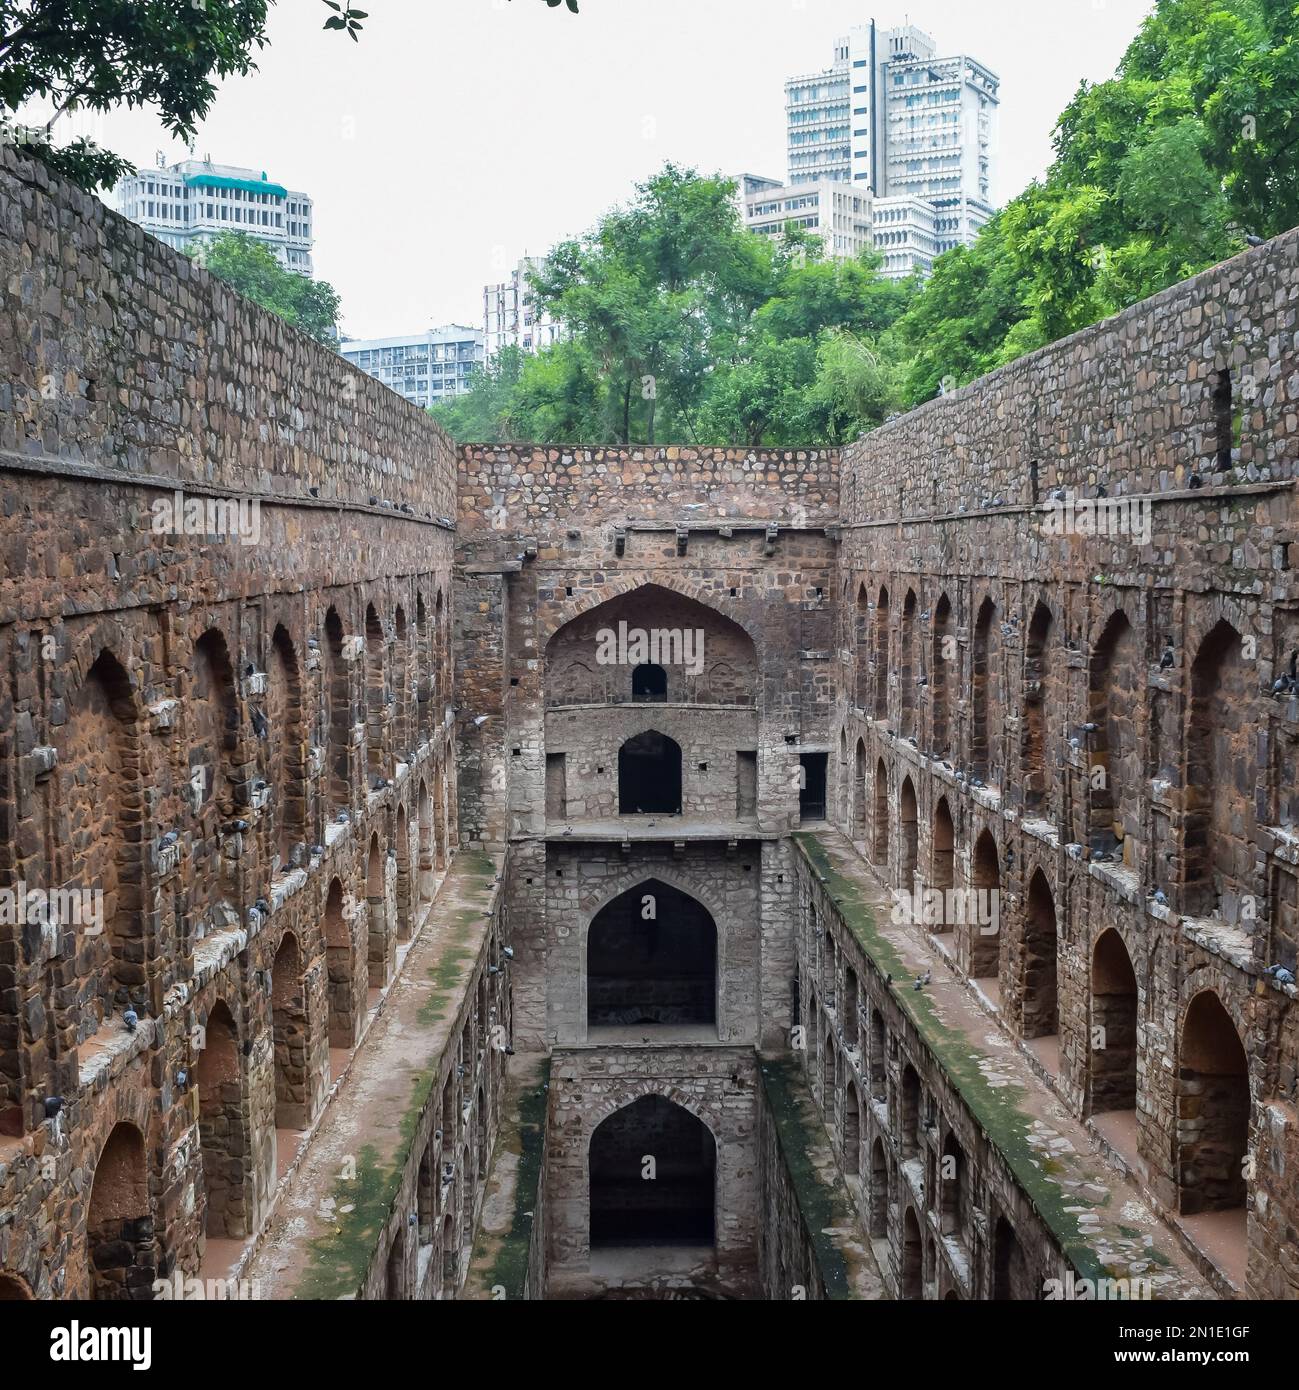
(460, 134)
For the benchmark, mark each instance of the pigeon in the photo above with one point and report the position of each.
(1161, 897)
(130, 1018)
(1166, 661)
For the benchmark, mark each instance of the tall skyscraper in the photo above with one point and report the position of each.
(195, 200)
(511, 318)
(914, 131)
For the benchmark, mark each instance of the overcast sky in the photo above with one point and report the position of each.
(459, 135)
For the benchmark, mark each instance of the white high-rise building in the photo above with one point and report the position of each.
(836, 212)
(892, 119)
(424, 367)
(510, 316)
(195, 200)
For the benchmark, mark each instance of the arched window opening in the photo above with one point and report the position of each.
(909, 1118)
(98, 784)
(942, 856)
(954, 1177)
(649, 776)
(649, 684)
(862, 651)
(340, 960)
(878, 1057)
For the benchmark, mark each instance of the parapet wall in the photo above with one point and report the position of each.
(512, 488)
(119, 353)
(1136, 404)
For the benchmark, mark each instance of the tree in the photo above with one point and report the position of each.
(653, 294)
(250, 267)
(1160, 172)
(101, 54)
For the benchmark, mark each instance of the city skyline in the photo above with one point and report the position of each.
(350, 137)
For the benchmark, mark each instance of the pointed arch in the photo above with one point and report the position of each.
(649, 775)
(679, 1206)
(1218, 834)
(651, 960)
(285, 748)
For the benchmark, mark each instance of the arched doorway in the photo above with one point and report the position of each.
(942, 858)
(1213, 1092)
(880, 847)
(1041, 1001)
(912, 1281)
(1039, 705)
(1219, 777)
(289, 1026)
(859, 795)
(851, 1130)
(908, 819)
(1114, 1026)
(1010, 1275)
(653, 1177)
(651, 960)
(985, 875)
(122, 1251)
(344, 1015)
(649, 776)
(879, 1192)
(223, 1139)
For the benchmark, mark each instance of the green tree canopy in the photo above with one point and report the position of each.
(250, 266)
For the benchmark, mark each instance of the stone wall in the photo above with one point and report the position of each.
(1194, 383)
(514, 489)
(1066, 625)
(225, 745)
(121, 355)
(716, 1085)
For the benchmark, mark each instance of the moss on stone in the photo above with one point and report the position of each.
(524, 1135)
(821, 1205)
(997, 1109)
